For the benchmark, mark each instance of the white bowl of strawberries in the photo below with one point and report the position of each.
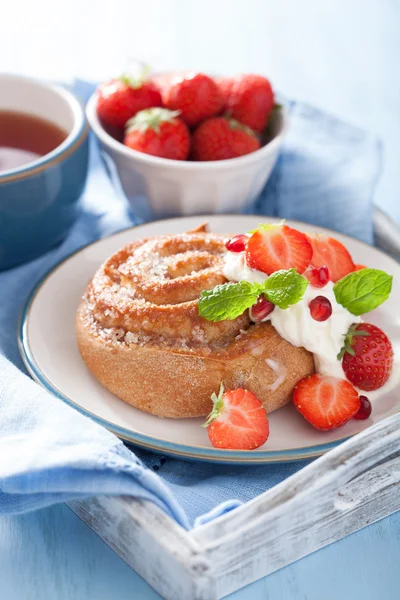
(188, 143)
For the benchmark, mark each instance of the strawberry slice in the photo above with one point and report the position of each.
(238, 420)
(275, 247)
(326, 402)
(329, 252)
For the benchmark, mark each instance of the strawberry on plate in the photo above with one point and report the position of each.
(367, 356)
(120, 99)
(326, 402)
(195, 94)
(159, 132)
(275, 247)
(220, 138)
(238, 420)
(248, 99)
(329, 252)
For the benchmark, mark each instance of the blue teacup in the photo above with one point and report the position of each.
(39, 200)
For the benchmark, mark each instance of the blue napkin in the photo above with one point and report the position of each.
(51, 453)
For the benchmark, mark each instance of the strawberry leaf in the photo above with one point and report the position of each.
(348, 340)
(135, 77)
(363, 291)
(151, 118)
(218, 406)
(266, 226)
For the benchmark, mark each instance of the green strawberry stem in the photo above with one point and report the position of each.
(266, 226)
(234, 124)
(348, 340)
(136, 81)
(218, 406)
(151, 118)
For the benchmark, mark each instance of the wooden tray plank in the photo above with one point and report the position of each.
(152, 543)
(350, 487)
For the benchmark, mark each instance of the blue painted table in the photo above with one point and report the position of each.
(341, 55)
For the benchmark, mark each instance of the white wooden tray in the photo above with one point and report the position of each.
(348, 488)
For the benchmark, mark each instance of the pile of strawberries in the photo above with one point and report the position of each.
(188, 117)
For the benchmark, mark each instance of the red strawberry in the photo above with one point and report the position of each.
(220, 138)
(326, 402)
(196, 95)
(248, 98)
(159, 132)
(238, 420)
(225, 86)
(329, 252)
(367, 356)
(359, 267)
(120, 99)
(275, 247)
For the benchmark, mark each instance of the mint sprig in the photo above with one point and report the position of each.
(228, 301)
(363, 291)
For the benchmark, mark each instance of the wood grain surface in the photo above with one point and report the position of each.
(53, 555)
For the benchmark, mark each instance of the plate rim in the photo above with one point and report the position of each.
(144, 441)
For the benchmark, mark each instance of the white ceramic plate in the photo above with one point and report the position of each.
(49, 349)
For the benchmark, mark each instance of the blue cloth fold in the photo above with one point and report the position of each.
(50, 453)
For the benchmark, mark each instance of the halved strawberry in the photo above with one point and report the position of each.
(359, 267)
(329, 252)
(275, 247)
(238, 420)
(326, 402)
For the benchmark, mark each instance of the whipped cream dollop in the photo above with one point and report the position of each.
(237, 269)
(296, 325)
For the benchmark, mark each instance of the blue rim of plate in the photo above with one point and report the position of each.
(183, 451)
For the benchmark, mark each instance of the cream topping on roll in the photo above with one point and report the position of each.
(295, 324)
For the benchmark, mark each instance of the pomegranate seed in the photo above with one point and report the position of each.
(237, 243)
(317, 276)
(320, 308)
(261, 309)
(365, 409)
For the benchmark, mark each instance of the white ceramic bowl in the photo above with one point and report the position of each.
(175, 187)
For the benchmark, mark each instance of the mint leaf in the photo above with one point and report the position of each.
(285, 287)
(363, 291)
(227, 301)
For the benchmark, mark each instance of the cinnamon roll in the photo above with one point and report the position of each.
(141, 336)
